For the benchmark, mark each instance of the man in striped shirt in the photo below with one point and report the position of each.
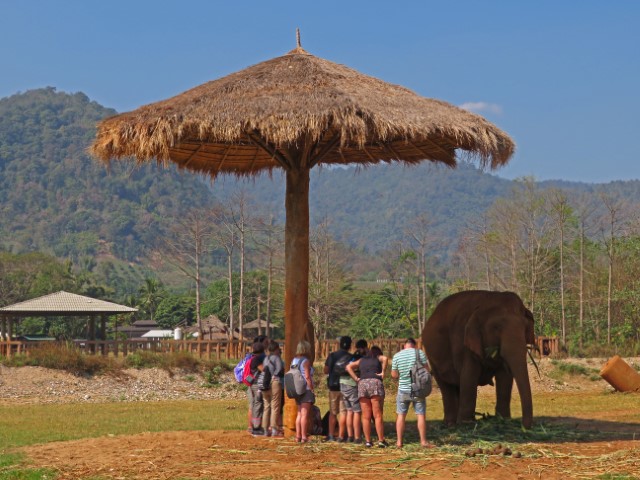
(401, 370)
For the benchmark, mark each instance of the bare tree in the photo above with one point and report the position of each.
(418, 232)
(612, 225)
(562, 212)
(189, 240)
(584, 211)
(225, 236)
(268, 239)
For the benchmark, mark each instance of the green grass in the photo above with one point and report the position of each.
(29, 424)
(13, 467)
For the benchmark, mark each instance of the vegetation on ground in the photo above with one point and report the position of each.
(74, 361)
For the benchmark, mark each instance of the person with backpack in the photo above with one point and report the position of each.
(253, 379)
(271, 387)
(305, 401)
(371, 392)
(335, 367)
(239, 372)
(349, 391)
(401, 368)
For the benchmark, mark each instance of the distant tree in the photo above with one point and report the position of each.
(421, 239)
(150, 295)
(224, 235)
(174, 309)
(562, 213)
(269, 243)
(331, 296)
(613, 224)
(188, 241)
(381, 315)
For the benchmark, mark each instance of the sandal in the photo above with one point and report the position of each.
(304, 440)
(383, 444)
(368, 444)
(298, 439)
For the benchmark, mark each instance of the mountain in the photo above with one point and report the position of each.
(55, 198)
(370, 208)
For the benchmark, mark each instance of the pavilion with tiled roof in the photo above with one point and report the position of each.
(62, 304)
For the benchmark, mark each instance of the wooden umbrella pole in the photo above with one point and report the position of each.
(296, 294)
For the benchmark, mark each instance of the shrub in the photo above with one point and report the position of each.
(573, 368)
(146, 359)
(59, 357)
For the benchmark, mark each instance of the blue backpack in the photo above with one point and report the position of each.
(238, 370)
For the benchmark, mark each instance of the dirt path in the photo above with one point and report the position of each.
(235, 455)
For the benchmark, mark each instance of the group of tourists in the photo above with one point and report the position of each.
(355, 380)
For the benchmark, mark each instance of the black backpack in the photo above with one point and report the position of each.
(265, 378)
(338, 369)
(340, 366)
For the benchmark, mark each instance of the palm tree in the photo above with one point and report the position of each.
(151, 294)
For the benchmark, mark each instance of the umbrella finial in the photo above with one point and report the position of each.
(298, 49)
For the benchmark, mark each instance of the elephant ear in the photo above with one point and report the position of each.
(473, 334)
(530, 334)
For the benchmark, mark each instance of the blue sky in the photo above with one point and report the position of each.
(561, 77)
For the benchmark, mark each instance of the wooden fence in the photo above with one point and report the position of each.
(209, 349)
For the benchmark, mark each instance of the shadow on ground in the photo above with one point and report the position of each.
(563, 429)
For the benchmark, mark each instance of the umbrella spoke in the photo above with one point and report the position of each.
(275, 153)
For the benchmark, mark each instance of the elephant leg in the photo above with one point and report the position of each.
(469, 376)
(450, 402)
(504, 386)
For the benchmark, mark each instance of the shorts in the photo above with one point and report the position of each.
(350, 398)
(336, 405)
(404, 399)
(370, 387)
(308, 397)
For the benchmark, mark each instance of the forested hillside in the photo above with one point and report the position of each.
(55, 198)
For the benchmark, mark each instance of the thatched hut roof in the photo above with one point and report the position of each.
(243, 123)
(210, 323)
(257, 324)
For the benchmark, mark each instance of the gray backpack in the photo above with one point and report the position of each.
(295, 384)
(420, 379)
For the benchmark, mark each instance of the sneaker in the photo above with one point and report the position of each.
(350, 439)
(357, 440)
(368, 444)
(258, 432)
(330, 438)
(383, 444)
(276, 433)
(343, 440)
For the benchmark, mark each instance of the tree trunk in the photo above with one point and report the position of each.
(242, 258)
(230, 273)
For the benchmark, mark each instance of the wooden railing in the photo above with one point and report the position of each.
(209, 349)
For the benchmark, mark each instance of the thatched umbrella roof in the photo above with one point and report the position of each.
(245, 122)
(294, 112)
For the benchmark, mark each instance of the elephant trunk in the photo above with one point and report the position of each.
(516, 358)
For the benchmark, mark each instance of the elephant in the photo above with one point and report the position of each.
(473, 337)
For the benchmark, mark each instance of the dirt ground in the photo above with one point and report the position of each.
(237, 455)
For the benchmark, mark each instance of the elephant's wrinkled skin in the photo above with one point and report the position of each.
(473, 337)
